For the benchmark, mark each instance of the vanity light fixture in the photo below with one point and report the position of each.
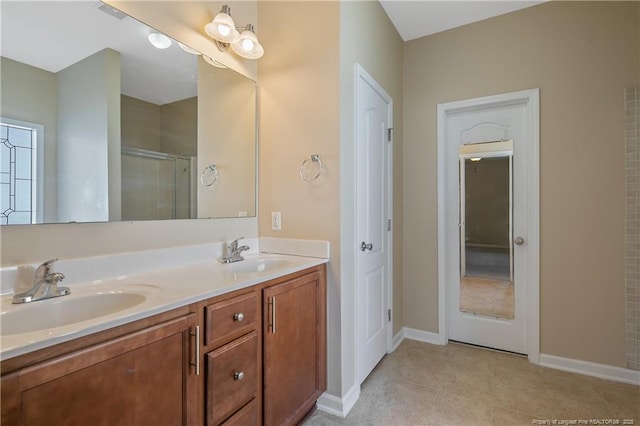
(247, 45)
(223, 30)
(188, 49)
(474, 159)
(211, 61)
(159, 41)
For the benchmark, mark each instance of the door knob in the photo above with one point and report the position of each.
(364, 246)
(519, 241)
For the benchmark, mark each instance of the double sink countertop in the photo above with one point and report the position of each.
(98, 304)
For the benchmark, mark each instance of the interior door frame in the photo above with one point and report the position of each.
(531, 100)
(362, 74)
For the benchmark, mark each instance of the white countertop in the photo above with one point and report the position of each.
(163, 289)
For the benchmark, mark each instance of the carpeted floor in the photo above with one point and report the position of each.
(486, 296)
(428, 385)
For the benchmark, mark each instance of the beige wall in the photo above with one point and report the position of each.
(140, 124)
(306, 107)
(299, 116)
(581, 55)
(88, 139)
(226, 139)
(171, 128)
(487, 202)
(179, 134)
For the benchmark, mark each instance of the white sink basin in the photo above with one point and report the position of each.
(255, 264)
(65, 310)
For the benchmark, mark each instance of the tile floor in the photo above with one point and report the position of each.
(422, 384)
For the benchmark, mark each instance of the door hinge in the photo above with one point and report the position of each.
(389, 134)
(388, 224)
(389, 314)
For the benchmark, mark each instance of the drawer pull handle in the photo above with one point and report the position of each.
(238, 375)
(238, 317)
(272, 325)
(196, 336)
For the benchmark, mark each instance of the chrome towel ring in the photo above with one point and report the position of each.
(311, 168)
(209, 175)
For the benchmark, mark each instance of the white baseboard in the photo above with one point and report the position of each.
(601, 371)
(339, 406)
(422, 336)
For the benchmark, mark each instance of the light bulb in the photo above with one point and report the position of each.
(224, 30)
(247, 45)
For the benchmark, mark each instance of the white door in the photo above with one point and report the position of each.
(486, 279)
(373, 214)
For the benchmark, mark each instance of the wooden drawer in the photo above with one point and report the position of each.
(248, 415)
(232, 377)
(230, 318)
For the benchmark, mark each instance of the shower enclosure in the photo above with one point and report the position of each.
(157, 185)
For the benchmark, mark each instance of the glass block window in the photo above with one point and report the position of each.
(17, 174)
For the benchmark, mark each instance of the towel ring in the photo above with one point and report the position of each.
(209, 175)
(306, 169)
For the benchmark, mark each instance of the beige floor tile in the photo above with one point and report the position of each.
(502, 417)
(451, 409)
(421, 384)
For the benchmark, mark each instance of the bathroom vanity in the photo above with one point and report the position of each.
(254, 353)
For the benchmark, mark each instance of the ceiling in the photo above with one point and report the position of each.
(418, 18)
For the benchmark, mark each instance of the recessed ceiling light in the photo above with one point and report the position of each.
(159, 41)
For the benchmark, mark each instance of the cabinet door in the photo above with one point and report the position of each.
(142, 378)
(294, 348)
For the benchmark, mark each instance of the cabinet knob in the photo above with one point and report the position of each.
(238, 317)
(238, 375)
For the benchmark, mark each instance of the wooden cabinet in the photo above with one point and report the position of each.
(251, 357)
(143, 377)
(294, 328)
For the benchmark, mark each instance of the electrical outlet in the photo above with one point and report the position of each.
(276, 221)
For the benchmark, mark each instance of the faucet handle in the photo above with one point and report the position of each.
(233, 245)
(45, 268)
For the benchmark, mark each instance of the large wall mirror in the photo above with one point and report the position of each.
(101, 122)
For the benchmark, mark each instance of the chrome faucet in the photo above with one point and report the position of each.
(45, 285)
(234, 253)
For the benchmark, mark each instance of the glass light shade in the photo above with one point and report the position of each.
(159, 41)
(213, 62)
(248, 46)
(222, 28)
(188, 49)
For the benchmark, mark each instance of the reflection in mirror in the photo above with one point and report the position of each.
(486, 255)
(99, 124)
